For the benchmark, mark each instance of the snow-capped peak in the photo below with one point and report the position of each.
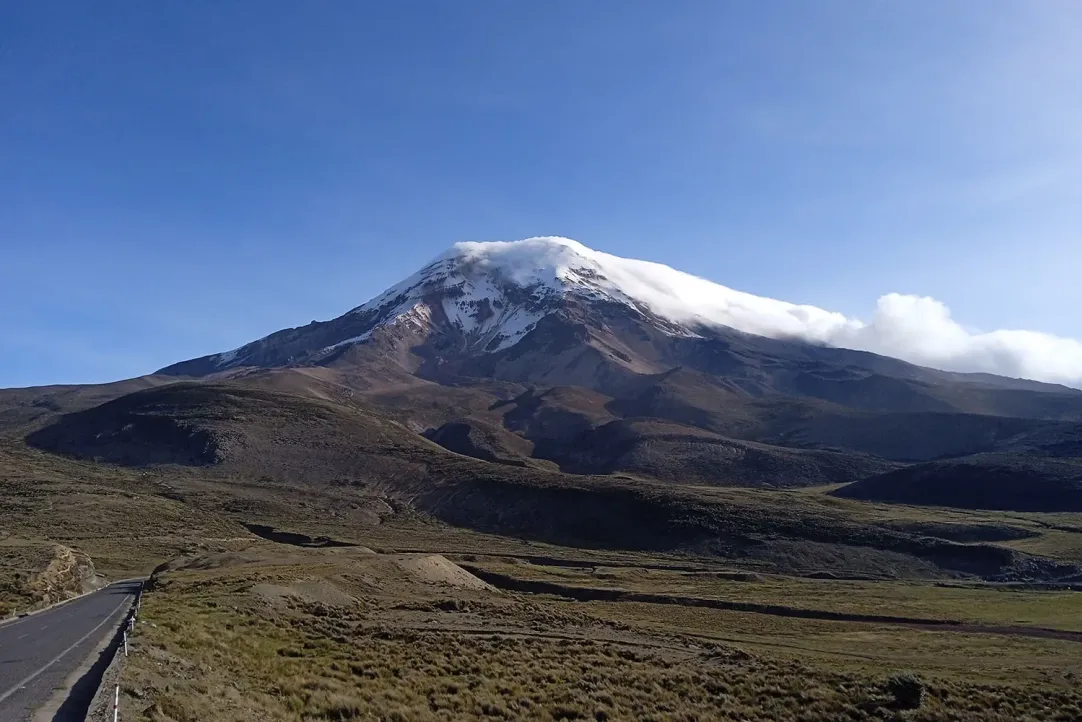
(548, 267)
(495, 293)
(544, 265)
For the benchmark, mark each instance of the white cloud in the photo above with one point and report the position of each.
(921, 330)
(913, 328)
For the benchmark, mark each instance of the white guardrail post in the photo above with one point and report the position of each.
(116, 704)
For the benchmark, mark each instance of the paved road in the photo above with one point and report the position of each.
(39, 652)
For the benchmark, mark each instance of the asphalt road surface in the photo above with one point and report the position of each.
(38, 653)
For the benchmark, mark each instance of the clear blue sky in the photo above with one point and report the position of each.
(178, 178)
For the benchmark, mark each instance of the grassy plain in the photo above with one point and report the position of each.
(240, 628)
(267, 632)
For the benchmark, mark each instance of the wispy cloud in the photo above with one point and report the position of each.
(921, 330)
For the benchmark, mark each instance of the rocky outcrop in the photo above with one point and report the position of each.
(69, 574)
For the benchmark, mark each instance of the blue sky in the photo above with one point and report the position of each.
(178, 178)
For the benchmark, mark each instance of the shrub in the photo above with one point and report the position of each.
(907, 690)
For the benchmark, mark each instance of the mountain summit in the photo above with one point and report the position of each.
(481, 300)
(486, 297)
(550, 311)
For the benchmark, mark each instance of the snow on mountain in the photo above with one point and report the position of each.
(495, 293)
(567, 266)
(490, 311)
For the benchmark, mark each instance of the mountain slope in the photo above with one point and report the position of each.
(22, 410)
(986, 481)
(552, 312)
(584, 432)
(222, 435)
